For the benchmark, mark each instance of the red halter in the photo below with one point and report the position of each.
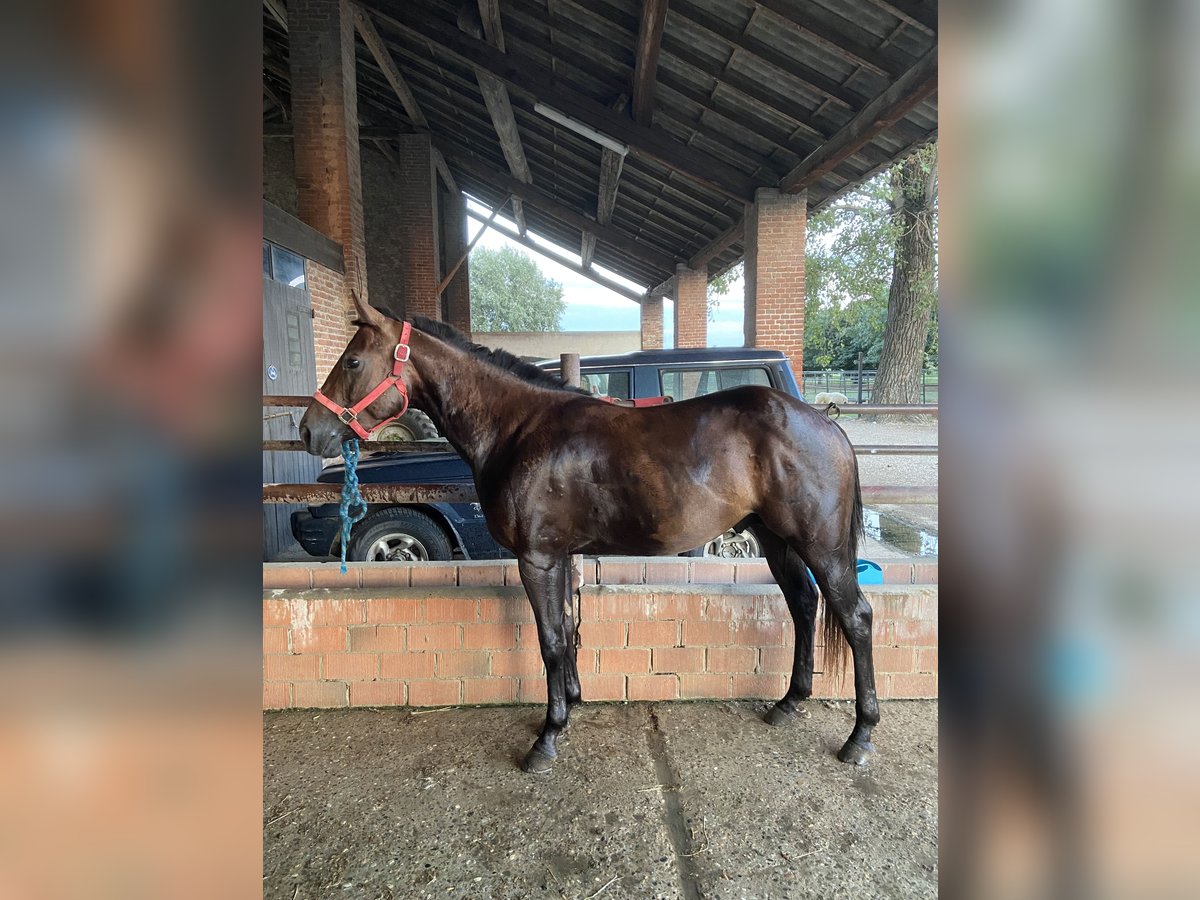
(348, 415)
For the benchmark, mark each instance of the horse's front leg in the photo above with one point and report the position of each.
(546, 581)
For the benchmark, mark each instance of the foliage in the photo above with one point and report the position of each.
(848, 270)
(719, 286)
(510, 293)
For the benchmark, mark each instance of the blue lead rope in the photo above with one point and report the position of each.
(353, 508)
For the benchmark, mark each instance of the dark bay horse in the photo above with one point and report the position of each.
(559, 472)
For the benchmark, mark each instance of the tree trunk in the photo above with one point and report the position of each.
(911, 296)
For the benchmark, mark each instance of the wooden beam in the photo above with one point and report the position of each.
(820, 82)
(534, 196)
(587, 248)
(611, 163)
(383, 59)
(443, 170)
(534, 80)
(278, 12)
(876, 117)
(495, 96)
(645, 65)
(913, 12)
(524, 241)
(663, 289)
(719, 244)
(836, 40)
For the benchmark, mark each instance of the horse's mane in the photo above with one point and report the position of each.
(500, 359)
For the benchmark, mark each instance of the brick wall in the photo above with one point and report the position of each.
(456, 300)
(417, 253)
(691, 307)
(775, 234)
(279, 174)
(325, 127)
(652, 323)
(441, 634)
(331, 315)
(385, 234)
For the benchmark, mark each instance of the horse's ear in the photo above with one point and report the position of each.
(367, 314)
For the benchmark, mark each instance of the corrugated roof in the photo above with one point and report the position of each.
(754, 88)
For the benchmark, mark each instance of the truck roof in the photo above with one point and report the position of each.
(674, 357)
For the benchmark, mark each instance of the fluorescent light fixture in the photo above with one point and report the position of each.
(580, 129)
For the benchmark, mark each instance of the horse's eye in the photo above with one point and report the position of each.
(352, 363)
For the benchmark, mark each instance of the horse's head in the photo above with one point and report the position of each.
(373, 368)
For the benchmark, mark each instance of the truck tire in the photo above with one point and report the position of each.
(399, 534)
(414, 425)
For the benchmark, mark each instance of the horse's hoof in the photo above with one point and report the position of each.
(856, 754)
(538, 762)
(778, 716)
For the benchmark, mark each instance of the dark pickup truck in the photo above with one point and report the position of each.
(442, 531)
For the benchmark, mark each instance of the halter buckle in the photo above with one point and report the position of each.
(407, 353)
(348, 416)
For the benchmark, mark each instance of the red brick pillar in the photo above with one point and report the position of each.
(691, 307)
(418, 250)
(456, 299)
(652, 323)
(775, 232)
(325, 128)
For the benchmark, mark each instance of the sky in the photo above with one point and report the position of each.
(593, 307)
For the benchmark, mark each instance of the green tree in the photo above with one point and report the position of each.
(911, 294)
(510, 293)
(850, 265)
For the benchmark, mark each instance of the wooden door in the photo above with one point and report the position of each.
(289, 367)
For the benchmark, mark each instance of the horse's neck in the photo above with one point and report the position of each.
(475, 405)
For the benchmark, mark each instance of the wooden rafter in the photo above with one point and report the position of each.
(534, 80)
(719, 244)
(611, 163)
(387, 65)
(912, 11)
(383, 59)
(568, 215)
(278, 12)
(918, 83)
(836, 40)
(526, 242)
(645, 65)
(495, 96)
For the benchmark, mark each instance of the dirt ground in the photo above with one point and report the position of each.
(664, 800)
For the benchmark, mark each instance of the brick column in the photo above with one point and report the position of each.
(418, 250)
(456, 299)
(652, 323)
(325, 128)
(775, 233)
(691, 307)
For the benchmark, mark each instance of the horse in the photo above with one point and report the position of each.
(560, 472)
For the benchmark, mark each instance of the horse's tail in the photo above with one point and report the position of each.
(835, 641)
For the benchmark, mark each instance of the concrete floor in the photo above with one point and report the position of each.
(660, 800)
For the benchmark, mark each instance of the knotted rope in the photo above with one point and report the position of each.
(352, 498)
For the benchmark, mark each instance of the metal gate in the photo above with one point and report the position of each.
(289, 367)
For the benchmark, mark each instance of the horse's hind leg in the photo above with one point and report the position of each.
(570, 631)
(837, 575)
(801, 596)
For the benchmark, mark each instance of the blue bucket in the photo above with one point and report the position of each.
(869, 572)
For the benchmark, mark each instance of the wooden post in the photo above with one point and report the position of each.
(569, 367)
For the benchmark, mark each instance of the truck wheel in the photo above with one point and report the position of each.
(735, 545)
(414, 425)
(399, 534)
